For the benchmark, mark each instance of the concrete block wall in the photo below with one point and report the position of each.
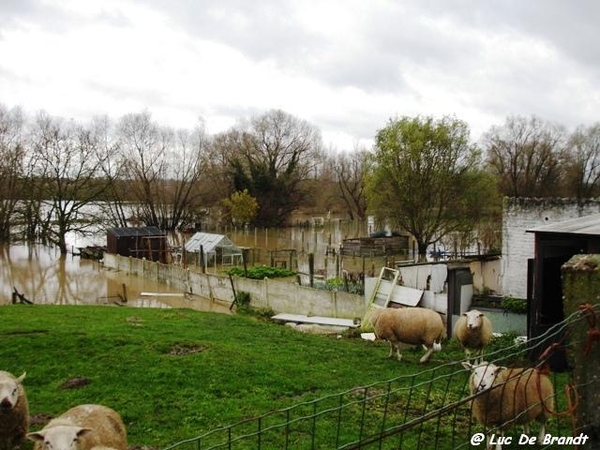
(521, 214)
(281, 296)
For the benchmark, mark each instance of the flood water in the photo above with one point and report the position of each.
(43, 276)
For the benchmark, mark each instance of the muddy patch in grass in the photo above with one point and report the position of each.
(75, 383)
(185, 349)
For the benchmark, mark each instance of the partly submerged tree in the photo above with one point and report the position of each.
(65, 176)
(349, 169)
(422, 179)
(162, 168)
(11, 167)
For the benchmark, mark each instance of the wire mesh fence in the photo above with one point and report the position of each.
(428, 409)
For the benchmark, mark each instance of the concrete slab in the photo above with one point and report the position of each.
(300, 318)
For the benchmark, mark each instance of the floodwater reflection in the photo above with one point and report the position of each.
(44, 276)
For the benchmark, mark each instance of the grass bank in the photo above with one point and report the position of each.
(174, 374)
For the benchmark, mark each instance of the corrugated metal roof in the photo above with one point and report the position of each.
(589, 225)
(136, 231)
(209, 242)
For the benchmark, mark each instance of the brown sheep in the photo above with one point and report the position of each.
(14, 411)
(510, 397)
(409, 326)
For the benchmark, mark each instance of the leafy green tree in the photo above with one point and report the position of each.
(242, 207)
(422, 177)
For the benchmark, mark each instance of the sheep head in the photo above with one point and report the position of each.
(483, 375)
(62, 437)
(9, 391)
(474, 319)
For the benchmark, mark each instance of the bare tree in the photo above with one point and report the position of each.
(524, 155)
(66, 176)
(350, 169)
(162, 168)
(582, 163)
(11, 168)
(117, 198)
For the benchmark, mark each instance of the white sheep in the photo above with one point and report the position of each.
(409, 326)
(14, 411)
(509, 397)
(82, 427)
(473, 330)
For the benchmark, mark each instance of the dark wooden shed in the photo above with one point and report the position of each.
(138, 242)
(555, 244)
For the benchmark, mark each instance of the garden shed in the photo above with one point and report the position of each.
(217, 249)
(138, 242)
(555, 244)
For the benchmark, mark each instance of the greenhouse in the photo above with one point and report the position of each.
(217, 249)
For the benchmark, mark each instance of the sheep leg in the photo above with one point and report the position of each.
(391, 350)
(542, 433)
(427, 355)
(398, 351)
(498, 444)
(479, 357)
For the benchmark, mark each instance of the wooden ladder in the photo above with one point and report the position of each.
(382, 293)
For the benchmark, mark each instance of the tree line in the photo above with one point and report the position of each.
(423, 175)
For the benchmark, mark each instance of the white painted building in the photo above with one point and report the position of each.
(522, 214)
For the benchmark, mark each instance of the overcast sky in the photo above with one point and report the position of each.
(346, 66)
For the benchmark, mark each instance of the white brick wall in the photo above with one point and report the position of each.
(520, 215)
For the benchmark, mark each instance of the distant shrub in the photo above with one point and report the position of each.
(260, 272)
(337, 284)
(515, 305)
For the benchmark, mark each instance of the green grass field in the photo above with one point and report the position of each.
(175, 374)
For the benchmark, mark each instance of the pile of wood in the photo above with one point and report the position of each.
(375, 246)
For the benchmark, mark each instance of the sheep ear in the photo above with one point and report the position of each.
(36, 435)
(83, 431)
(467, 365)
(21, 378)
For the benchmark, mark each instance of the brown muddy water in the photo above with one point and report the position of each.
(44, 277)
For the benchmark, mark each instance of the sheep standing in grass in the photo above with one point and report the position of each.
(14, 411)
(409, 326)
(82, 427)
(510, 397)
(473, 330)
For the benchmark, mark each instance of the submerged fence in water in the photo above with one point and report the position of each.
(429, 409)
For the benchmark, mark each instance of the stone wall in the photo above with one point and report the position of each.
(520, 215)
(581, 287)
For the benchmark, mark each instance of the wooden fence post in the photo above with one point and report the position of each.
(581, 286)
